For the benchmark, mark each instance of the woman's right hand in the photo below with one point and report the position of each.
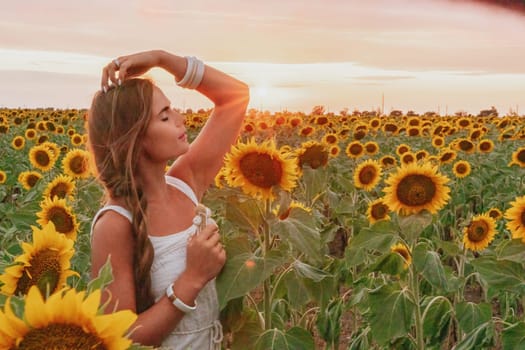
(205, 254)
(129, 66)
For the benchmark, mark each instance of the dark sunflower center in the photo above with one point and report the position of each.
(60, 337)
(484, 146)
(44, 273)
(416, 190)
(403, 253)
(307, 131)
(522, 217)
(477, 231)
(60, 190)
(31, 180)
(446, 156)
(62, 220)
(19, 142)
(461, 168)
(466, 145)
(367, 175)
(42, 158)
(314, 156)
(331, 139)
(379, 211)
(78, 165)
(261, 169)
(521, 157)
(356, 149)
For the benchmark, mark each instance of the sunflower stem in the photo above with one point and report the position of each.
(414, 285)
(267, 287)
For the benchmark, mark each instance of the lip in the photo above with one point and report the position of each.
(182, 137)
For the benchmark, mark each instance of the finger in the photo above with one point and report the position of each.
(104, 79)
(112, 70)
(209, 230)
(214, 240)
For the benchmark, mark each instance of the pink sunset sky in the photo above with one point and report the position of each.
(424, 55)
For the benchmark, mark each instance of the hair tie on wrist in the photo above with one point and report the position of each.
(193, 75)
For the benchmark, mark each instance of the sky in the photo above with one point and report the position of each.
(426, 55)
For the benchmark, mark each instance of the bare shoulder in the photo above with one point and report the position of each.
(112, 237)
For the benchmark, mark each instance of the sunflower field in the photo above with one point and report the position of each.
(343, 231)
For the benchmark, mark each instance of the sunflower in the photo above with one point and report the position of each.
(495, 213)
(355, 149)
(69, 320)
(29, 179)
(486, 146)
(3, 176)
(76, 163)
(312, 153)
(18, 142)
(334, 151)
(516, 216)
(438, 141)
(258, 169)
(447, 156)
(479, 233)
(518, 157)
(284, 213)
(461, 169)
(331, 139)
(307, 131)
(404, 251)
(465, 145)
(62, 186)
(408, 157)
(41, 158)
(45, 263)
(30, 134)
(387, 161)
(371, 148)
(57, 211)
(415, 187)
(367, 175)
(377, 211)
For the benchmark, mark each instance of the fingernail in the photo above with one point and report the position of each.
(105, 89)
(119, 82)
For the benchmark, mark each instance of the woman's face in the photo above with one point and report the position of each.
(165, 138)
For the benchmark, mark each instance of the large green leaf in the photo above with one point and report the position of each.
(391, 311)
(300, 230)
(329, 322)
(500, 274)
(295, 338)
(513, 337)
(390, 263)
(243, 272)
(249, 332)
(481, 337)
(428, 263)
(437, 318)
(512, 250)
(244, 212)
(471, 315)
(378, 237)
(314, 182)
(413, 225)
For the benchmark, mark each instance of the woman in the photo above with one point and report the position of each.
(162, 270)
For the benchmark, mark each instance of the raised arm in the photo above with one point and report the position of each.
(229, 96)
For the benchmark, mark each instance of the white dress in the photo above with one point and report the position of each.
(200, 329)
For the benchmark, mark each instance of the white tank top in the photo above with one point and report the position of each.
(201, 328)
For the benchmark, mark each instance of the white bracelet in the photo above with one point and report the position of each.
(193, 75)
(199, 74)
(179, 304)
(190, 66)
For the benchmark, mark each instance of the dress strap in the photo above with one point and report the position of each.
(183, 187)
(122, 211)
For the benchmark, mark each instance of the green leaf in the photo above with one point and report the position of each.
(471, 315)
(295, 290)
(367, 240)
(329, 322)
(300, 230)
(391, 313)
(513, 337)
(511, 250)
(428, 263)
(314, 181)
(308, 271)
(481, 337)
(244, 272)
(500, 274)
(437, 320)
(249, 332)
(103, 279)
(244, 212)
(296, 338)
(413, 225)
(390, 263)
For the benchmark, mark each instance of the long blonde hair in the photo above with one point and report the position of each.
(116, 124)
